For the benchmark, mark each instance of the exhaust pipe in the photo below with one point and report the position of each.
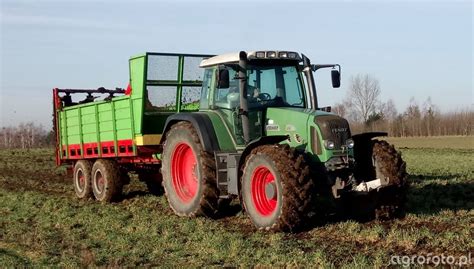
(244, 106)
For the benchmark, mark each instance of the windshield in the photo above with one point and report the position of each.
(268, 85)
(274, 86)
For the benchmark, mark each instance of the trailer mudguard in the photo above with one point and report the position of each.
(203, 125)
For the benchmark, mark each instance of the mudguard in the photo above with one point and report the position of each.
(363, 137)
(264, 140)
(203, 125)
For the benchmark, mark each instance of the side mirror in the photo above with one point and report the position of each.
(335, 78)
(223, 79)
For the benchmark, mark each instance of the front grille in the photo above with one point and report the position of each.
(334, 128)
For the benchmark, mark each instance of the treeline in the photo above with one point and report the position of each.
(419, 123)
(367, 112)
(25, 135)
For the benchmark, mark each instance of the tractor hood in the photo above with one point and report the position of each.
(306, 127)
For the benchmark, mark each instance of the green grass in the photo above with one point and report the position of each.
(42, 223)
(440, 142)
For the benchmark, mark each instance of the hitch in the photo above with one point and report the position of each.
(372, 185)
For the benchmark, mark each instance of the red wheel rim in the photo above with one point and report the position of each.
(100, 181)
(264, 191)
(81, 181)
(184, 172)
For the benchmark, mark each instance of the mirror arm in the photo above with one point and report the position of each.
(315, 67)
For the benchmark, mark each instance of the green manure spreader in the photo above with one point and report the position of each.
(244, 126)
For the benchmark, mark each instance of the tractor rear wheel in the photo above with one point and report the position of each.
(388, 164)
(276, 188)
(106, 180)
(82, 179)
(189, 173)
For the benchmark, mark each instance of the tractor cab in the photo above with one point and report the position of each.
(255, 84)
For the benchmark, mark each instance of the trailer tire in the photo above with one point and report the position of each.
(277, 190)
(82, 173)
(388, 163)
(106, 180)
(189, 173)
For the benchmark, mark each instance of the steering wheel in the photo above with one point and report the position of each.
(264, 96)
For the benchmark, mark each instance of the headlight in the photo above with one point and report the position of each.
(329, 144)
(350, 143)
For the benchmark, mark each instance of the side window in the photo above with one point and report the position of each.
(228, 97)
(293, 91)
(206, 87)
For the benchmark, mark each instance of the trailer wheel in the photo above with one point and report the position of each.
(82, 179)
(276, 188)
(189, 175)
(388, 164)
(106, 180)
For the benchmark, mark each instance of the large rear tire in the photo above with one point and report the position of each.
(189, 173)
(106, 180)
(276, 188)
(82, 179)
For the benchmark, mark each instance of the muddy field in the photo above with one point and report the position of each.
(42, 223)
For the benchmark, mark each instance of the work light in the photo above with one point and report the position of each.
(271, 54)
(260, 54)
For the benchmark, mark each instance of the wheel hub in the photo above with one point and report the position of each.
(270, 191)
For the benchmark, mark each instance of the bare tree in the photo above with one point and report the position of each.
(363, 96)
(340, 109)
(24, 135)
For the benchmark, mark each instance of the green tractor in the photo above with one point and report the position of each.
(249, 129)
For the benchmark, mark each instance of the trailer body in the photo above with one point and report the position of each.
(128, 126)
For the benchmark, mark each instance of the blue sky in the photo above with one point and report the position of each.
(415, 48)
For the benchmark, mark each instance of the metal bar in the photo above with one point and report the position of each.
(174, 83)
(180, 54)
(97, 130)
(132, 128)
(79, 119)
(99, 90)
(114, 127)
(180, 83)
(65, 135)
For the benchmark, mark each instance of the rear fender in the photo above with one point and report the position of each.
(203, 125)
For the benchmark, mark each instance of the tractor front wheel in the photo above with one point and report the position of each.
(388, 164)
(189, 173)
(276, 188)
